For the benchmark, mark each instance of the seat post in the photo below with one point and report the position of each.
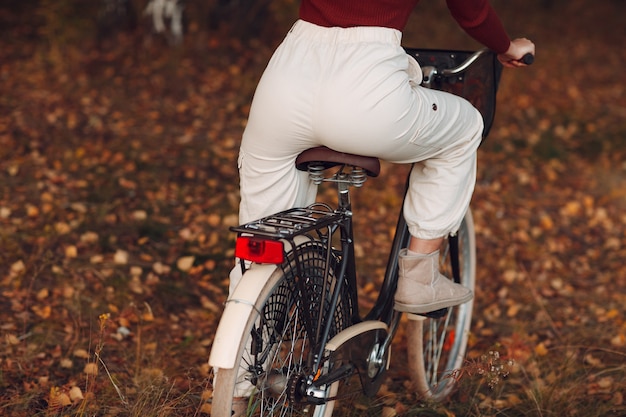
(343, 191)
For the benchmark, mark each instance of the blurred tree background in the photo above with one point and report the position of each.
(70, 21)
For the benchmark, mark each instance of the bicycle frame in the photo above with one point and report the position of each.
(358, 346)
(324, 228)
(337, 224)
(383, 308)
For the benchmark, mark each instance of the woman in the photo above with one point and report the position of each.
(341, 79)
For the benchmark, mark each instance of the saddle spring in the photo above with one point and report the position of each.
(356, 177)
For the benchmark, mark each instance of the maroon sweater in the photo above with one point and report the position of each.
(476, 17)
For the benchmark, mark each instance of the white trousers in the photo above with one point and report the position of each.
(355, 90)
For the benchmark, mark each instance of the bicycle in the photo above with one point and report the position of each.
(291, 331)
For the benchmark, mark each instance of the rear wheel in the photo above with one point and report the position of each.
(436, 343)
(274, 356)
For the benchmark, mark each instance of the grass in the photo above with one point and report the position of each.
(130, 382)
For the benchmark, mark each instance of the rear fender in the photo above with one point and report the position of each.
(237, 310)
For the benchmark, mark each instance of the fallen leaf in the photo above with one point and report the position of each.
(96, 259)
(593, 361)
(18, 267)
(120, 257)
(76, 394)
(619, 340)
(91, 369)
(389, 412)
(81, 353)
(160, 268)
(66, 363)
(541, 349)
(43, 312)
(71, 251)
(32, 211)
(89, 237)
(185, 263)
(11, 339)
(58, 399)
(42, 294)
(62, 228)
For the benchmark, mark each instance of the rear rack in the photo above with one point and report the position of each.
(292, 222)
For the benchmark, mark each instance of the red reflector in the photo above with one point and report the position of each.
(449, 342)
(259, 250)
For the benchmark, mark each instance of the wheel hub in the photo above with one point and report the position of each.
(297, 388)
(276, 383)
(376, 361)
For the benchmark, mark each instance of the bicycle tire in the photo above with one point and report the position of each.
(263, 384)
(436, 346)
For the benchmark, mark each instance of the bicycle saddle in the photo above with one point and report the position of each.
(330, 158)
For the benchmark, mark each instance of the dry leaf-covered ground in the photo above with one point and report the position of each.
(118, 184)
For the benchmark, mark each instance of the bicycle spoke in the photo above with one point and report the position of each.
(438, 347)
(438, 344)
(274, 362)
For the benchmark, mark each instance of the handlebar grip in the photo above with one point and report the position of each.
(528, 59)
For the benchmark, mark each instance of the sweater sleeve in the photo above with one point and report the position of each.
(481, 22)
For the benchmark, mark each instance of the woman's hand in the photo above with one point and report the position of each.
(517, 49)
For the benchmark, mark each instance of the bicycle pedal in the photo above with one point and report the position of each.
(437, 314)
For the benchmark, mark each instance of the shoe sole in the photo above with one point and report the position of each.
(428, 308)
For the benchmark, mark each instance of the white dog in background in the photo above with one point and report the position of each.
(163, 10)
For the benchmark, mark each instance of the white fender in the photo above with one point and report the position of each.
(353, 331)
(236, 312)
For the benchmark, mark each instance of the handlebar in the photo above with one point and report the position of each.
(526, 59)
(431, 72)
(465, 65)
